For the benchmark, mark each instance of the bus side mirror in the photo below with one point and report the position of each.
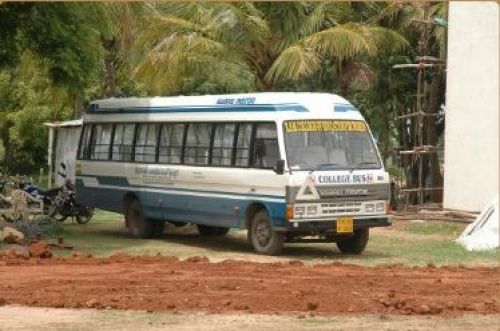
(279, 168)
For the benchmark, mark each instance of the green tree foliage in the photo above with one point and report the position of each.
(62, 35)
(271, 44)
(12, 17)
(54, 57)
(51, 61)
(30, 100)
(422, 25)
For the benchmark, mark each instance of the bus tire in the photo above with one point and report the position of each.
(212, 231)
(137, 225)
(355, 244)
(263, 237)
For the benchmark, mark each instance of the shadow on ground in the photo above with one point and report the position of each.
(187, 240)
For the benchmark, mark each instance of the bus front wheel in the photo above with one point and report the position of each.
(263, 237)
(355, 244)
(137, 224)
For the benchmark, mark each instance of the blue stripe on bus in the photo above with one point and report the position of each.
(183, 208)
(123, 182)
(343, 107)
(201, 109)
(110, 180)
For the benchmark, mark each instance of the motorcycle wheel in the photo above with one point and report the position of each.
(54, 213)
(85, 216)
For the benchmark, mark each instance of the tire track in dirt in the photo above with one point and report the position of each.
(167, 284)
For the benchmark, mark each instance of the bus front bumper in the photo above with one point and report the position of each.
(322, 225)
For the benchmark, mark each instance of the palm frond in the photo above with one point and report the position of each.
(236, 23)
(341, 42)
(386, 40)
(293, 63)
(390, 12)
(314, 21)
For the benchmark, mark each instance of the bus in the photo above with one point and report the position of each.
(287, 167)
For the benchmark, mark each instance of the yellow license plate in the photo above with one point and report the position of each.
(345, 225)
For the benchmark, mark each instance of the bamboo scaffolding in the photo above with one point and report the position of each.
(418, 119)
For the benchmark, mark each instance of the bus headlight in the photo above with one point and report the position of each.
(380, 207)
(299, 211)
(312, 210)
(369, 208)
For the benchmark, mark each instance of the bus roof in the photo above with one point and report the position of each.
(250, 102)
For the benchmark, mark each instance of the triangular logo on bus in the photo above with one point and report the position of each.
(308, 190)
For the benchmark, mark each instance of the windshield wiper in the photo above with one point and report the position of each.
(327, 166)
(367, 163)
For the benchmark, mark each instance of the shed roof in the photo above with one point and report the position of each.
(63, 124)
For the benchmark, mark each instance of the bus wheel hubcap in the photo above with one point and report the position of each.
(263, 233)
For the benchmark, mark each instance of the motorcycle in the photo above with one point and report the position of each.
(3, 201)
(47, 196)
(64, 205)
(3, 183)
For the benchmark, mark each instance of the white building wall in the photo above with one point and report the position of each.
(471, 177)
(66, 146)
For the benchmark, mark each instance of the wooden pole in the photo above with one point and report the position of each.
(49, 156)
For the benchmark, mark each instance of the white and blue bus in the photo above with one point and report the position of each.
(288, 167)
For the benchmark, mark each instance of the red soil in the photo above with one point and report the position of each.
(164, 283)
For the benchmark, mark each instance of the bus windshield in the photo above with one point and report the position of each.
(329, 144)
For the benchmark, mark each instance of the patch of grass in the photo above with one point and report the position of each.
(106, 235)
(440, 228)
(420, 252)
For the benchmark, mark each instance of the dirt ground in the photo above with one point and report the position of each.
(42, 319)
(166, 284)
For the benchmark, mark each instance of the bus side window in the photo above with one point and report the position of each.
(83, 153)
(222, 149)
(145, 145)
(100, 142)
(123, 142)
(197, 143)
(242, 155)
(266, 149)
(170, 150)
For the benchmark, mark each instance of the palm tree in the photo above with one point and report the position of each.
(118, 26)
(269, 44)
(327, 33)
(196, 41)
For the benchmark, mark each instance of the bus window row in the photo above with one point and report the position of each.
(211, 144)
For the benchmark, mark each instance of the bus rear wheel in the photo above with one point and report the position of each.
(263, 237)
(355, 244)
(137, 224)
(212, 231)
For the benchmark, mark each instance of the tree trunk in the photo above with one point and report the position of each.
(109, 66)
(78, 107)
